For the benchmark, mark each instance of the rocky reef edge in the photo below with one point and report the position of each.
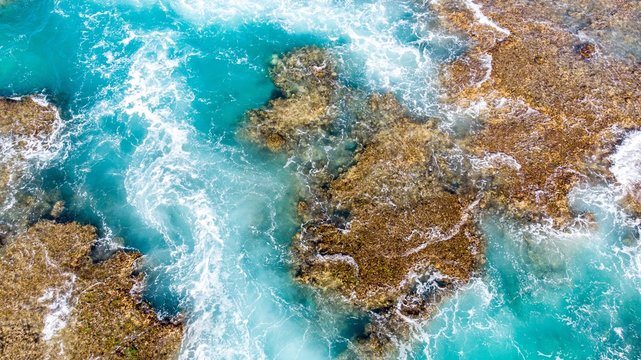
(56, 300)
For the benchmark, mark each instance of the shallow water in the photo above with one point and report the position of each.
(547, 294)
(153, 93)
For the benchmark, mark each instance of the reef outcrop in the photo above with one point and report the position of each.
(28, 116)
(394, 229)
(391, 230)
(554, 100)
(307, 80)
(398, 211)
(57, 303)
(28, 127)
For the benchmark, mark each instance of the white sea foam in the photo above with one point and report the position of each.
(438, 235)
(486, 59)
(340, 258)
(387, 41)
(494, 161)
(484, 20)
(626, 160)
(168, 178)
(471, 302)
(59, 307)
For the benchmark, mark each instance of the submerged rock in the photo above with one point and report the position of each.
(57, 303)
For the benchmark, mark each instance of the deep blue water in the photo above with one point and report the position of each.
(153, 93)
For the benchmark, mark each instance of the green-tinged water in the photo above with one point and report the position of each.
(153, 94)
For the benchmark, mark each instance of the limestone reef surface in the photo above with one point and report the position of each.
(401, 233)
(404, 183)
(29, 116)
(390, 229)
(309, 85)
(555, 96)
(57, 302)
(28, 138)
(394, 228)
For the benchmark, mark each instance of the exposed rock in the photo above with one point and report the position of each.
(612, 25)
(394, 230)
(56, 303)
(27, 139)
(399, 210)
(391, 229)
(307, 78)
(555, 115)
(400, 234)
(28, 116)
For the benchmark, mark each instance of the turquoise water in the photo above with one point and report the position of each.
(549, 294)
(153, 93)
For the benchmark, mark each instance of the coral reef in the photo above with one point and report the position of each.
(391, 230)
(27, 138)
(307, 78)
(28, 116)
(398, 210)
(554, 104)
(400, 235)
(58, 304)
(394, 229)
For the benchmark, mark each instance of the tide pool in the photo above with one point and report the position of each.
(153, 94)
